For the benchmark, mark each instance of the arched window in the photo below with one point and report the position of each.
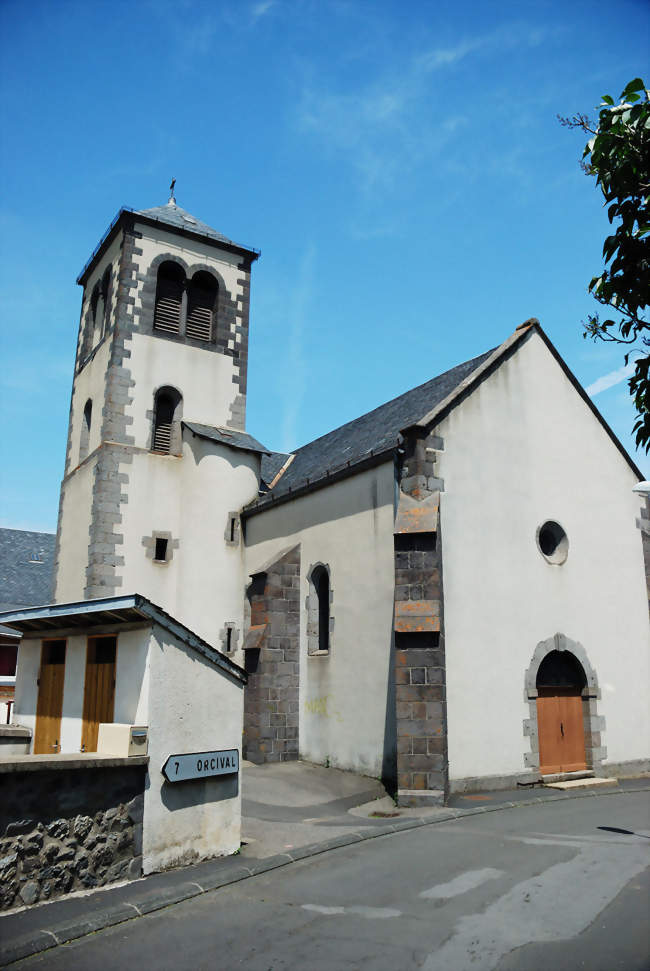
(318, 626)
(94, 304)
(104, 300)
(201, 306)
(85, 430)
(169, 298)
(166, 422)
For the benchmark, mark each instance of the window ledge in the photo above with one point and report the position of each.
(319, 654)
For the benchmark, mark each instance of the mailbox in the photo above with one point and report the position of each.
(122, 740)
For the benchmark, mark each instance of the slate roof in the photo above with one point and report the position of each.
(372, 433)
(26, 568)
(272, 462)
(173, 215)
(226, 436)
(170, 215)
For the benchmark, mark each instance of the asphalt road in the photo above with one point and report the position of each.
(553, 886)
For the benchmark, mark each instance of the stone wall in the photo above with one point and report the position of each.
(420, 673)
(271, 708)
(68, 829)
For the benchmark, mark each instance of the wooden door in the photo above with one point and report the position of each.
(99, 691)
(560, 731)
(47, 736)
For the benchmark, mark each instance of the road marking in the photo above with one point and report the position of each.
(556, 904)
(372, 913)
(461, 884)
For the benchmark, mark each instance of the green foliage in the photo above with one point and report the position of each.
(618, 156)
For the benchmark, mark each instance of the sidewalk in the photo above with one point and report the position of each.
(291, 811)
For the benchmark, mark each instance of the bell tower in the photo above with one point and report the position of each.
(157, 455)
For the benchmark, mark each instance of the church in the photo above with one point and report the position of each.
(449, 592)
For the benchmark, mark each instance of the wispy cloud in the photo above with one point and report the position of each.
(391, 122)
(260, 9)
(610, 380)
(296, 372)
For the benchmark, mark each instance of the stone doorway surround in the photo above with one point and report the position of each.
(593, 723)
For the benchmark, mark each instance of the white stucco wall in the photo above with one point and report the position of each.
(73, 537)
(193, 707)
(27, 666)
(89, 383)
(131, 684)
(522, 449)
(343, 697)
(189, 497)
(203, 378)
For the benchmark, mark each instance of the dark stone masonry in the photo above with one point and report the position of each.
(68, 829)
(420, 674)
(273, 667)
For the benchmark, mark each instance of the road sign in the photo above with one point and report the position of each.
(200, 765)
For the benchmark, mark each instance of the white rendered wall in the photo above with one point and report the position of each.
(204, 379)
(522, 449)
(193, 707)
(89, 383)
(343, 697)
(131, 684)
(28, 663)
(189, 497)
(74, 528)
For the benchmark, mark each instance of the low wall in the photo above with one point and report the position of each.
(68, 823)
(14, 740)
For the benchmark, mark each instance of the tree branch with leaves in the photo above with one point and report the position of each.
(618, 156)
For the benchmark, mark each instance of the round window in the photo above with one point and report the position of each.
(553, 542)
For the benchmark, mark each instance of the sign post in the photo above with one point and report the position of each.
(200, 765)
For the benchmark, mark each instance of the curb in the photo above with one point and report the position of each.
(151, 901)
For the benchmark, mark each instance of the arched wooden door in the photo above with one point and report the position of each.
(560, 725)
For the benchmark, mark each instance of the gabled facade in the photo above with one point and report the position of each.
(487, 608)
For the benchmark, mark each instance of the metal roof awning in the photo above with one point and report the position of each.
(82, 615)
(87, 616)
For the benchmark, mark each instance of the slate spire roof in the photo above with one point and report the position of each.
(173, 215)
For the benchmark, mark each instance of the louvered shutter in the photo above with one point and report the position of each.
(162, 433)
(199, 315)
(167, 316)
(162, 440)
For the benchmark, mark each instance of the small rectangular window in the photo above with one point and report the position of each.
(161, 550)
(228, 639)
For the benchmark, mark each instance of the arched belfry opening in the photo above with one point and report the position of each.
(564, 726)
(167, 414)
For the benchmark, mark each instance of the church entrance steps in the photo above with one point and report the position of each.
(549, 777)
(583, 783)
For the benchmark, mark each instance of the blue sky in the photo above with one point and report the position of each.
(400, 166)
